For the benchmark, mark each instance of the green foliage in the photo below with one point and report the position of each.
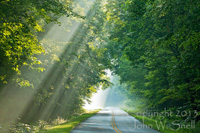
(21, 128)
(68, 126)
(154, 48)
(42, 124)
(152, 45)
(44, 76)
(21, 21)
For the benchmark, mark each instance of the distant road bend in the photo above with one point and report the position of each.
(112, 120)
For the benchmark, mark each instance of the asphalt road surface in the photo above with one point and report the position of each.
(112, 120)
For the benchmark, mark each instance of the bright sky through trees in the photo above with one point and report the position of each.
(98, 100)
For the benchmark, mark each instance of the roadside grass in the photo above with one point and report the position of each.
(164, 125)
(68, 126)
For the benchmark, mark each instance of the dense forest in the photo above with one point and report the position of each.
(54, 55)
(154, 48)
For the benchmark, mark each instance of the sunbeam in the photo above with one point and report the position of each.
(68, 38)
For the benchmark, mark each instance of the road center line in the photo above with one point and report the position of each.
(113, 123)
(113, 126)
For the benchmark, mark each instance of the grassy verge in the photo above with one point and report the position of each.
(167, 126)
(68, 126)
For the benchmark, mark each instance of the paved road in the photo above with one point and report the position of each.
(112, 120)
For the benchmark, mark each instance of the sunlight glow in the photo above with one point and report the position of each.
(98, 100)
